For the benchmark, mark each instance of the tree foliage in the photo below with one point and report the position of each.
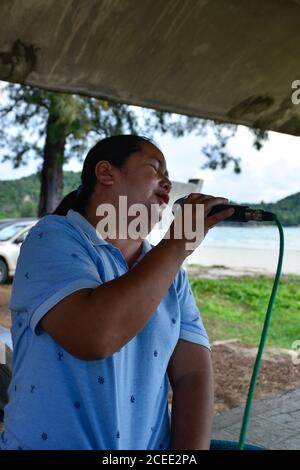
(19, 198)
(54, 127)
(24, 112)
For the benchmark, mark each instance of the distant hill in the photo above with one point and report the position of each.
(19, 198)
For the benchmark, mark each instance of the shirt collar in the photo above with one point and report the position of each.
(81, 223)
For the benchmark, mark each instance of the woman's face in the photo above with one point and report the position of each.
(144, 179)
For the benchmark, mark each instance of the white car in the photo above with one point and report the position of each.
(6, 347)
(12, 235)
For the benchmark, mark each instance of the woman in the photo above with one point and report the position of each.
(101, 322)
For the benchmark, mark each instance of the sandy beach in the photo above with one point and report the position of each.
(246, 260)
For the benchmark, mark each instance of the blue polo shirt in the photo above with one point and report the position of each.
(57, 401)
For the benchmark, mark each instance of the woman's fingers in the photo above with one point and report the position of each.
(211, 202)
(212, 220)
(208, 201)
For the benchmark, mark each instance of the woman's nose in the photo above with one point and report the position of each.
(166, 184)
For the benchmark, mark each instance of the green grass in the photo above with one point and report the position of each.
(236, 307)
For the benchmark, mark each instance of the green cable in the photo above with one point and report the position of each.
(263, 338)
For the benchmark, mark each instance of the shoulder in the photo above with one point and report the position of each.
(53, 226)
(52, 233)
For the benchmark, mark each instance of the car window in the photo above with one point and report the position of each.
(8, 232)
(23, 236)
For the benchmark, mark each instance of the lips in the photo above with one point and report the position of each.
(164, 198)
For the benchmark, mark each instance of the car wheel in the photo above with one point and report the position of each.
(3, 271)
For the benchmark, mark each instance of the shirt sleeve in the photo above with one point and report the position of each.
(54, 262)
(191, 325)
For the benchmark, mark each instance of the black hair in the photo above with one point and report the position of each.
(116, 150)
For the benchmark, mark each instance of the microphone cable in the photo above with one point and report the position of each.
(245, 214)
(256, 369)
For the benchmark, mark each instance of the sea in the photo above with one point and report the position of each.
(255, 237)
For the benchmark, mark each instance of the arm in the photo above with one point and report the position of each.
(94, 323)
(191, 377)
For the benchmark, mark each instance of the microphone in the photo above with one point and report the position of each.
(241, 213)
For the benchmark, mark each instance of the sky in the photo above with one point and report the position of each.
(267, 175)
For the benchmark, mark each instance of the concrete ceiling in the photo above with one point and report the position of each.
(230, 60)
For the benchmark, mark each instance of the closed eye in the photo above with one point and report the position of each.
(155, 168)
(158, 170)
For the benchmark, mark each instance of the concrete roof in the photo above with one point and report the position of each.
(232, 60)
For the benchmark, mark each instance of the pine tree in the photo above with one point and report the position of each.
(54, 127)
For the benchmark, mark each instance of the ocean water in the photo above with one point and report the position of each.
(256, 237)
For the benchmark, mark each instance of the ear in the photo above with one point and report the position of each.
(104, 172)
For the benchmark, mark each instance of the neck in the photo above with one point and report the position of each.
(131, 249)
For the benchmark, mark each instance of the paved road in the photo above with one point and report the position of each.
(274, 423)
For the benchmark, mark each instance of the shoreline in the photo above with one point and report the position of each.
(244, 261)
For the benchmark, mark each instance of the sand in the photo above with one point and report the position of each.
(256, 261)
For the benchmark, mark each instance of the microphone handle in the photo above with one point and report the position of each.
(241, 213)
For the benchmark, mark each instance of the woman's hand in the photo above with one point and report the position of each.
(196, 222)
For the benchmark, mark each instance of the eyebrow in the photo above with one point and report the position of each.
(160, 164)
